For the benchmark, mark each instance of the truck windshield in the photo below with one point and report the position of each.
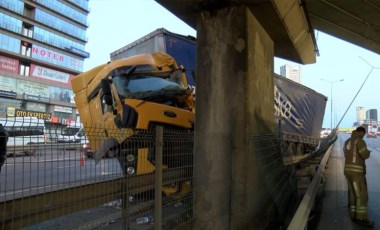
(144, 86)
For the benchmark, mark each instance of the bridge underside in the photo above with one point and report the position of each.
(357, 22)
(237, 41)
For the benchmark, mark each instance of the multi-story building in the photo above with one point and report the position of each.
(371, 115)
(292, 72)
(42, 46)
(360, 114)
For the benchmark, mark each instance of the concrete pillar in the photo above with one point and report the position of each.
(234, 103)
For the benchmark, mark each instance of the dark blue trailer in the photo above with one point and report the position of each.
(299, 109)
(181, 48)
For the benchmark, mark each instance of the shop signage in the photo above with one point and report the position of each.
(36, 98)
(47, 54)
(49, 74)
(63, 109)
(33, 88)
(56, 58)
(7, 84)
(9, 64)
(8, 94)
(27, 113)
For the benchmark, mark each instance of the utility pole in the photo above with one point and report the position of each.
(331, 99)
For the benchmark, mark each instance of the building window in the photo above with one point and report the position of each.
(27, 31)
(26, 49)
(60, 24)
(65, 10)
(10, 23)
(16, 6)
(9, 44)
(24, 69)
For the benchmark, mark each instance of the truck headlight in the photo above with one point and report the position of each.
(130, 170)
(130, 158)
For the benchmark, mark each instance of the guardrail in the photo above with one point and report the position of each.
(31, 149)
(301, 216)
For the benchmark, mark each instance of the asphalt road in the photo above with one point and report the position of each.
(332, 211)
(50, 169)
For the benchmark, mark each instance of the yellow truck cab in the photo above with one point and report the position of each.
(117, 99)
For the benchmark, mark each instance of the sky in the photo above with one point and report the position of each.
(116, 23)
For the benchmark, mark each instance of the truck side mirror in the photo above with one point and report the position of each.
(107, 99)
(106, 88)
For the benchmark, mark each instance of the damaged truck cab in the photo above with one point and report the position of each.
(117, 99)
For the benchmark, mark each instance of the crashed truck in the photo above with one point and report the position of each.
(299, 113)
(299, 110)
(118, 100)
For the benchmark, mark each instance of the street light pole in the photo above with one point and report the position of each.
(331, 99)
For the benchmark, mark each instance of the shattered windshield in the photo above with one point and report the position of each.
(147, 86)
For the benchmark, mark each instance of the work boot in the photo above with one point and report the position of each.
(366, 223)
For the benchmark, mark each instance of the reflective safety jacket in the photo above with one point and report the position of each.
(356, 153)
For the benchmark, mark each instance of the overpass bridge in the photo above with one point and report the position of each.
(237, 42)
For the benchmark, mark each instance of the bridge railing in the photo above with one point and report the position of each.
(301, 216)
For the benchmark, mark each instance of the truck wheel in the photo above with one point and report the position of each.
(284, 148)
(300, 149)
(292, 149)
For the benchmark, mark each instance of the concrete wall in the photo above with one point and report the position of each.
(234, 104)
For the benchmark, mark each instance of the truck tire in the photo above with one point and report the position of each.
(292, 149)
(300, 149)
(287, 148)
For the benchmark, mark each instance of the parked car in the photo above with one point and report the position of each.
(372, 134)
(372, 131)
(325, 132)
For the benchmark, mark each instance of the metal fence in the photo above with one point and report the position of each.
(145, 182)
(61, 185)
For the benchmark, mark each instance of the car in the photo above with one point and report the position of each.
(325, 132)
(371, 134)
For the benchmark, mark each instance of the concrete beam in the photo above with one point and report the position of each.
(284, 21)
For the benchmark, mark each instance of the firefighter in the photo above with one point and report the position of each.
(353, 136)
(356, 153)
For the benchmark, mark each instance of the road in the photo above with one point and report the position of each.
(373, 181)
(373, 175)
(50, 169)
(333, 210)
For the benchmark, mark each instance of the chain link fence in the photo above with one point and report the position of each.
(61, 184)
(143, 180)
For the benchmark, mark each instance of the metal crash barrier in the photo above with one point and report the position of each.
(300, 219)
